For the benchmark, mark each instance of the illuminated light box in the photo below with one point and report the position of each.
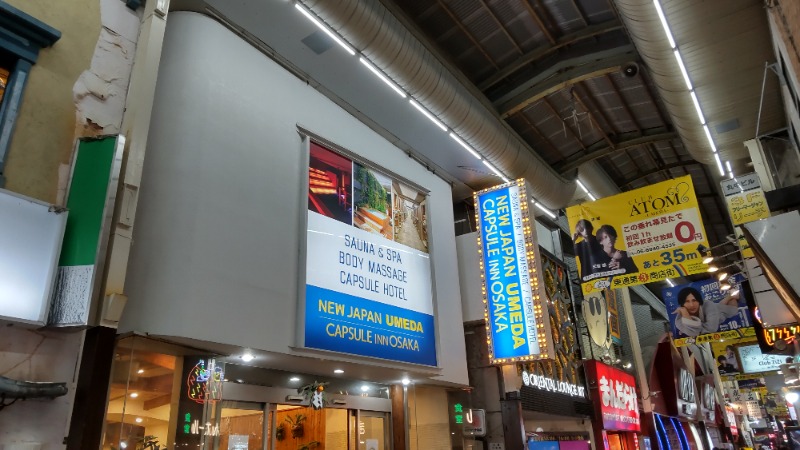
(515, 309)
(753, 361)
(30, 242)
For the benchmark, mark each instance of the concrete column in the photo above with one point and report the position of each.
(399, 417)
(513, 425)
(136, 127)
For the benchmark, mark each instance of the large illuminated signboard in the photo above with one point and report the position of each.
(616, 400)
(517, 322)
(368, 276)
(638, 237)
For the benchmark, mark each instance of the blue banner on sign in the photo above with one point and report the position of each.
(502, 275)
(701, 308)
(349, 324)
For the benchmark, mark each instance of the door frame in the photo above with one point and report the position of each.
(270, 397)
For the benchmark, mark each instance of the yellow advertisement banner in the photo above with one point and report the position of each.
(746, 203)
(638, 237)
(724, 350)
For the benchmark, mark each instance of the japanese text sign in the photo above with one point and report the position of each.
(368, 289)
(702, 312)
(517, 324)
(616, 401)
(638, 237)
(746, 203)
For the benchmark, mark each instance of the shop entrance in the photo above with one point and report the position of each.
(257, 426)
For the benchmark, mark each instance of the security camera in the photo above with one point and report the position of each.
(630, 70)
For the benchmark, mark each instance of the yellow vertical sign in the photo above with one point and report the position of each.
(746, 203)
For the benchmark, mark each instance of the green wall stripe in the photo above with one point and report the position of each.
(87, 198)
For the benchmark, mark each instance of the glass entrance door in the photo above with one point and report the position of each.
(372, 431)
(242, 426)
(303, 428)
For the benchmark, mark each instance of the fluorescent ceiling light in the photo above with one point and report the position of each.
(324, 28)
(730, 169)
(683, 70)
(664, 23)
(592, 197)
(496, 172)
(719, 165)
(670, 282)
(338, 371)
(383, 77)
(428, 115)
(247, 357)
(710, 140)
(465, 145)
(544, 210)
(697, 107)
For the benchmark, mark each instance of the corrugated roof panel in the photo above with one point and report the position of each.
(596, 11)
(564, 15)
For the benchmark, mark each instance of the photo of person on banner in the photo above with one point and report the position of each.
(618, 259)
(695, 316)
(588, 250)
(703, 310)
(724, 366)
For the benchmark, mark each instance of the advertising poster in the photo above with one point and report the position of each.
(368, 275)
(701, 312)
(638, 237)
(725, 353)
(746, 203)
(517, 321)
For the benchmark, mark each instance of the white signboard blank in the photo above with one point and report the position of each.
(31, 233)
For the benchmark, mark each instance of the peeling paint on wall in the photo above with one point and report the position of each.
(78, 88)
(101, 90)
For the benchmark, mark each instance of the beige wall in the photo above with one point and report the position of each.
(43, 139)
(428, 419)
(82, 78)
(77, 88)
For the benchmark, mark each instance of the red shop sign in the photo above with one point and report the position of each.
(614, 396)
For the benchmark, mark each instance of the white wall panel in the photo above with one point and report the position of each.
(221, 212)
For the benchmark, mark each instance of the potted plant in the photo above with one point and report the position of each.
(314, 393)
(148, 443)
(309, 446)
(280, 432)
(296, 424)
